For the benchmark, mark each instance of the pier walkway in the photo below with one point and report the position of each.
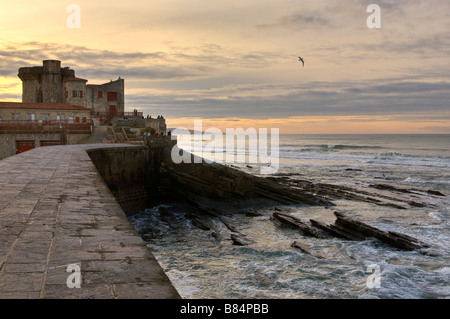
(60, 223)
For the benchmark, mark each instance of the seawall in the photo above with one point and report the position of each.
(57, 214)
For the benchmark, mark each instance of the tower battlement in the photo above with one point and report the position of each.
(44, 83)
(51, 83)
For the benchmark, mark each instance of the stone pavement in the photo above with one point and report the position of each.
(56, 211)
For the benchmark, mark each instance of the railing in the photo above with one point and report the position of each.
(117, 114)
(33, 125)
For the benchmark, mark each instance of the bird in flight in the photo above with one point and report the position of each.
(301, 59)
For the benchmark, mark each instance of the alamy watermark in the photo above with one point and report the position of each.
(235, 146)
(74, 19)
(374, 20)
(374, 280)
(74, 279)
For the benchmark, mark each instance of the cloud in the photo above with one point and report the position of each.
(194, 62)
(297, 21)
(313, 99)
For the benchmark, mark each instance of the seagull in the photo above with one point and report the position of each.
(301, 59)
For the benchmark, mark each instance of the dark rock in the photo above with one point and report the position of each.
(416, 204)
(240, 240)
(199, 221)
(433, 192)
(228, 224)
(338, 231)
(253, 213)
(284, 219)
(306, 249)
(394, 239)
(167, 216)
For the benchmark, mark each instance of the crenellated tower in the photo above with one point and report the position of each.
(44, 84)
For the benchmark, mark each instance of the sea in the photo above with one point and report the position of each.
(202, 267)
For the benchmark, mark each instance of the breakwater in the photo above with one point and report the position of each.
(64, 235)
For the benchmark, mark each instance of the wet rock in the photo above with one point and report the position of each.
(199, 221)
(436, 193)
(394, 239)
(217, 184)
(306, 249)
(228, 224)
(284, 219)
(167, 216)
(240, 240)
(253, 213)
(339, 231)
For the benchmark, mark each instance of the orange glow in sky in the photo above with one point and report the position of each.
(235, 63)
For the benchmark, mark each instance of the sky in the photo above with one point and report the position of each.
(235, 63)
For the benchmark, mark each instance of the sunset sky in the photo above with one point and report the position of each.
(235, 63)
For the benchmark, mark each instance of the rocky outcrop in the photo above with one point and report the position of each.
(394, 239)
(214, 185)
(240, 240)
(347, 228)
(330, 192)
(284, 219)
(306, 249)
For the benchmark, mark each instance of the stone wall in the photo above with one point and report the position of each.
(131, 173)
(76, 85)
(48, 84)
(43, 84)
(156, 124)
(8, 146)
(101, 104)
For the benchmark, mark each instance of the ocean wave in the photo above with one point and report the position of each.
(342, 146)
(416, 180)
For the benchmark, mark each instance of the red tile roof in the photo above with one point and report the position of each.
(43, 106)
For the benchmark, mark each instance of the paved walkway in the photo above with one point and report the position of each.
(56, 211)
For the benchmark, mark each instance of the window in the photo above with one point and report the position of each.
(31, 116)
(25, 143)
(77, 94)
(112, 96)
(49, 143)
(77, 120)
(84, 119)
(67, 94)
(0, 120)
(100, 94)
(70, 119)
(45, 117)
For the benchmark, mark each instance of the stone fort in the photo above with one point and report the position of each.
(52, 83)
